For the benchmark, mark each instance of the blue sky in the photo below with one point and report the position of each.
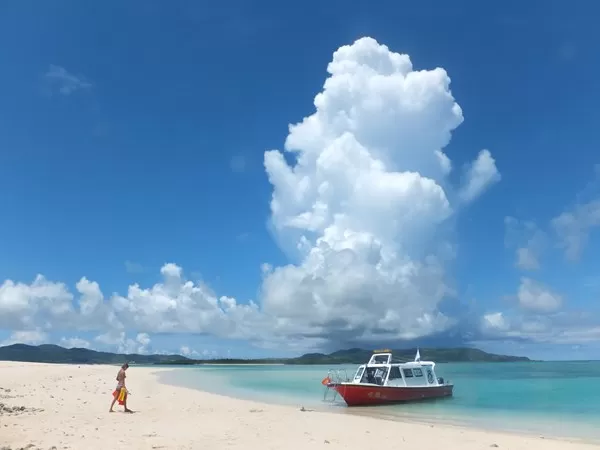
(133, 135)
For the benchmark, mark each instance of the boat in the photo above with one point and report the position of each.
(381, 381)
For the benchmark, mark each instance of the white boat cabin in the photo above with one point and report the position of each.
(380, 370)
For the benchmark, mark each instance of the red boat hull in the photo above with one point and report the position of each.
(368, 394)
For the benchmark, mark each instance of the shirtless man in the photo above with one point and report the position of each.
(121, 385)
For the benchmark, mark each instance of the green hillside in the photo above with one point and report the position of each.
(57, 354)
(357, 356)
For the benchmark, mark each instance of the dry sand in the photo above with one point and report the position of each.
(66, 407)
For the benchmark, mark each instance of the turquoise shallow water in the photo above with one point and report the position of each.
(550, 398)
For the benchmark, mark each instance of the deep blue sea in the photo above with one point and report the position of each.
(548, 398)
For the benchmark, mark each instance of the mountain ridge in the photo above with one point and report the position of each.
(50, 353)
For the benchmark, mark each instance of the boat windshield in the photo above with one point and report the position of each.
(380, 359)
(374, 375)
(359, 373)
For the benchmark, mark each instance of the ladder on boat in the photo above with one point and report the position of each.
(334, 377)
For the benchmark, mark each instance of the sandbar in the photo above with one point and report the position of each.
(45, 406)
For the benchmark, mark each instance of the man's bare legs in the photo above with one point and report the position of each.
(113, 403)
(127, 410)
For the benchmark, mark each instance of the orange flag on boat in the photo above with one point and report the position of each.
(325, 381)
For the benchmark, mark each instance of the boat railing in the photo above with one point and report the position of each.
(333, 378)
(401, 360)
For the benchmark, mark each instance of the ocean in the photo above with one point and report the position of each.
(559, 399)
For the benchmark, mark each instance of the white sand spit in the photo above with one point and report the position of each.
(66, 407)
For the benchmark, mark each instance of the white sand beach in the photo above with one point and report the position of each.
(48, 406)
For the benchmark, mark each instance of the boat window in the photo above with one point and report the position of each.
(380, 375)
(359, 373)
(374, 375)
(394, 373)
(380, 359)
(407, 373)
(368, 376)
(418, 372)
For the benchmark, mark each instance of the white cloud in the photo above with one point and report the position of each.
(364, 209)
(66, 83)
(74, 342)
(539, 318)
(266, 268)
(495, 322)
(557, 328)
(573, 227)
(480, 176)
(578, 335)
(133, 267)
(209, 353)
(144, 340)
(366, 201)
(41, 303)
(189, 352)
(91, 296)
(123, 344)
(177, 305)
(536, 297)
(171, 270)
(506, 326)
(569, 231)
(174, 305)
(31, 337)
(527, 259)
(529, 241)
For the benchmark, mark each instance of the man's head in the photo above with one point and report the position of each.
(125, 366)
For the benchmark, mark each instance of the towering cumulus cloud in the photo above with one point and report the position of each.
(364, 201)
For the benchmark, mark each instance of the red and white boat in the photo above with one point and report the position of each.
(382, 381)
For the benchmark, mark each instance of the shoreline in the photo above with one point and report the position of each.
(373, 413)
(67, 407)
(376, 413)
(236, 364)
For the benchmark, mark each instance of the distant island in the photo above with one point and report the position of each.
(55, 354)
